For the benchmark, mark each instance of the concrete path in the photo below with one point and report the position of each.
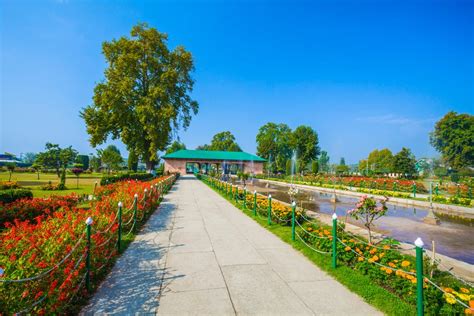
(198, 254)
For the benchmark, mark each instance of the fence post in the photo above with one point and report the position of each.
(255, 203)
(269, 209)
(334, 240)
(419, 276)
(119, 231)
(135, 202)
(437, 189)
(414, 189)
(89, 222)
(293, 208)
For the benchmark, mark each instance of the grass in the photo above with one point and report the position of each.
(358, 283)
(85, 185)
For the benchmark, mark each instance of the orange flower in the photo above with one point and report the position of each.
(464, 290)
(405, 263)
(388, 271)
(373, 251)
(386, 247)
(347, 248)
(393, 265)
(448, 290)
(375, 258)
(360, 259)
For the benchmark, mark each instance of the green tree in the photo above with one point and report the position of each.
(314, 167)
(175, 146)
(288, 167)
(145, 95)
(203, 147)
(364, 167)
(274, 143)
(342, 168)
(324, 161)
(224, 141)
(10, 167)
(132, 161)
(83, 160)
(453, 137)
(95, 163)
(381, 161)
(57, 158)
(404, 162)
(37, 168)
(110, 157)
(305, 141)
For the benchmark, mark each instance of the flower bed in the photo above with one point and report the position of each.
(43, 263)
(385, 263)
(28, 209)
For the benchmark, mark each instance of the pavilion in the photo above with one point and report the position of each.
(227, 162)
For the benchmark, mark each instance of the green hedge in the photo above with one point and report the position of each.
(125, 176)
(8, 196)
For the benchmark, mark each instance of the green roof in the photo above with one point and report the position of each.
(213, 155)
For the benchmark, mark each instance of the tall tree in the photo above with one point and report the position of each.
(324, 161)
(305, 141)
(273, 143)
(145, 94)
(132, 161)
(175, 146)
(83, 160)
(57, 158)
(381, 161)
(203, 147)
(224, 141)
(110, 157)
(404, 162)
(29, 158)
(453, 137)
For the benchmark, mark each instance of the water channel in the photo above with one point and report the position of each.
(405, 224)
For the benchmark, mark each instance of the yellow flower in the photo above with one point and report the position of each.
(464, 297)
(450, 298)
(386, 247)
(373, 251)
(370, 260)
(388, 271)
(382, 255)
(347, 248)
(464, 290)
(393, 265)
(375, 258)
(360, 259)
(448, 290)
(413, 280)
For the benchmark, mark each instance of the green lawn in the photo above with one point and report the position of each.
(85, 185)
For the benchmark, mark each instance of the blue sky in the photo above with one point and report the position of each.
(363, 74)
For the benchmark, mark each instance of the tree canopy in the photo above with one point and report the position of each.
(404, 162)
(453, 137)
(324, 161)
(110, 157)
(305, 141)
(274, 144)
(145, 94)
(175, 146)
(224, 141)
(56, 158)
(381, 161)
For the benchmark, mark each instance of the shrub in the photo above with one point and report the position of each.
(126, 176)
(11, 195)
(54, 187)
(5, 185)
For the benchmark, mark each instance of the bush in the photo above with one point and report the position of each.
(5, 185)
(11, 195)
(54, 187)
(125, 176)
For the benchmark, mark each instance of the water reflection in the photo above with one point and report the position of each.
(402, 223)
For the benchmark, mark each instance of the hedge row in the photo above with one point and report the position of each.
(125, 176)
(8, 196)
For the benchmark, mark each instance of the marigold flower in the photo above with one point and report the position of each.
(393, 265)
(450, 298)
(388, 271)
(448, 290)
(464, 290)
(405, 263)
(347, 248)
(386, 247)
(463, 297)
(360, 259)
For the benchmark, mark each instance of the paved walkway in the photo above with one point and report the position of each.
(200, 255)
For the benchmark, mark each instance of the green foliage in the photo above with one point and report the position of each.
(224, 141)
(145, 95)
(404, 162)
(453, 137)
(8, 196)
(288, 167)
(57, 158)
(273, 144)
(110, 157)
(324, 161)
(381, 161)
(95, 163)
(314, 167)
(305, 141)
(175, 146)
(10, 167)
(29, 158)
(342, 169)
(126, 176)
(83, 160)
(132, 161)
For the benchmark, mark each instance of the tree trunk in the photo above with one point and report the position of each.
(150, 165)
